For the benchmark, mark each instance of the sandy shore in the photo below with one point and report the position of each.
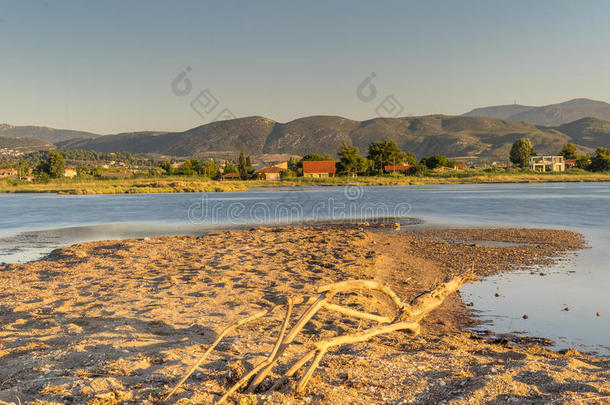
(121, 321)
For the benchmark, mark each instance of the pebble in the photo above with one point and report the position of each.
(525, 316)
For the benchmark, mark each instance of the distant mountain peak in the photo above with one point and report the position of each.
(584, 103)
(502, 112)
(551, 115)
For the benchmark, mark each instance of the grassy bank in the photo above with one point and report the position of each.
(181, 184)
(122, 186)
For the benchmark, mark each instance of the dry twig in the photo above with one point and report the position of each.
(407, 318)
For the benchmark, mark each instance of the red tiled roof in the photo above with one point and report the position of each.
(270, 169)
(570, 161)
(319, 166)
(230, 175)
(390, 168)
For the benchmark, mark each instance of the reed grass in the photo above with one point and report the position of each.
(182, 184)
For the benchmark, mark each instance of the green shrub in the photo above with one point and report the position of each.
(42, 178)
(418, 170)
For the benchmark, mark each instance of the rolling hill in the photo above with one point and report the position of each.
(43, 133)
(24, 145)
(502, 112)
(550, 115)
(590, 132)
(454, 136)
(484, 133)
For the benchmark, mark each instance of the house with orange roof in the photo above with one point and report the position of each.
(319, 168)
(271, 173)
(570, 163)
(397, 168)
(231, 176)
(70, 171)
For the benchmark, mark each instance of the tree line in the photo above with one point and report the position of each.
(350, 163)
(380, 155)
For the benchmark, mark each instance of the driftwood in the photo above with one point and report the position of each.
(406, 319)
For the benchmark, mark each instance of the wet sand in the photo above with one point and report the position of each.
(121, 321)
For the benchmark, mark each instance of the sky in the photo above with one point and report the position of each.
(119, 66)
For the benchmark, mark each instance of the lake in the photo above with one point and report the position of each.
(31, 225)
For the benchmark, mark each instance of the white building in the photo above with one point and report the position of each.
(547, 164)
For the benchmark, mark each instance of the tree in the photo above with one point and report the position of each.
(601, 161)
(23, 168)
(167, 166)
(209, 169)
(81, 171)
(351, 163)
(54, 165)
(316, 157)
(521, 152)
(583, 162)
(293, 164)
(569, 151)
(231, 168)
(433, 162)
(418, 169)
(189, 168)
(288, 174)
(243, 165)
(386, 152)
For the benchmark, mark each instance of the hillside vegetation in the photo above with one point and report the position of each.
(51, 135)
(24, 144)
(590, 132)
(453, 136)
(484, 134)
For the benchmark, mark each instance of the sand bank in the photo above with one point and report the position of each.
(122, 321)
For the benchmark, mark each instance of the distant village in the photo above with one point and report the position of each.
(384, 158)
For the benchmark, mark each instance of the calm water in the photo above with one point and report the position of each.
(32, 225)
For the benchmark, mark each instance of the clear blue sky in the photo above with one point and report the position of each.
(107, 66)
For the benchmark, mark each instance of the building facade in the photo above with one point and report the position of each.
(547, 164)
(271, 173)
(317, 169)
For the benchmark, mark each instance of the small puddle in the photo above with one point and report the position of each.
(536, 303)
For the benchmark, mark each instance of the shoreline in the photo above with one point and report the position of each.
(123, 320)
(178, 184)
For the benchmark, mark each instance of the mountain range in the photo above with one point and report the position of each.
(484, 133)
(549, 115)
(44, 133)
(453, 136)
